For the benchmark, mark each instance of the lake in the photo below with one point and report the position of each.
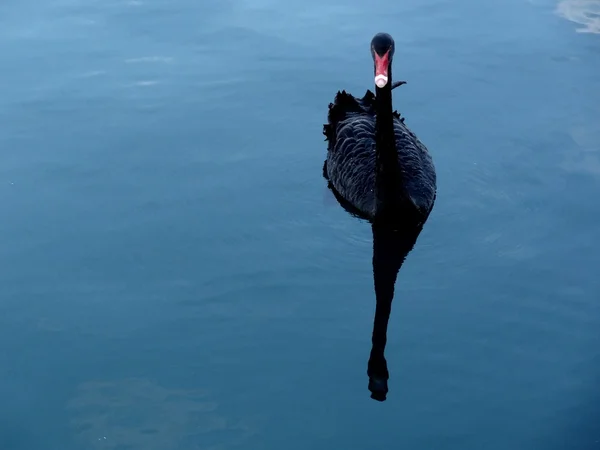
(175, 274)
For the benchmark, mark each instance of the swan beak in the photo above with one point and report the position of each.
(381, 69)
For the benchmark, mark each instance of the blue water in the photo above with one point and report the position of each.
(175, 274)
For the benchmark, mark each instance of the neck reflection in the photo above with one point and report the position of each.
(391, 245)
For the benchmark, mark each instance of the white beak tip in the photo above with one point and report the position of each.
(381, 81)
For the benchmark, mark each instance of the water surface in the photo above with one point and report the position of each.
(175, 276)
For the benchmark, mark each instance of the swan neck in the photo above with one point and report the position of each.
(388, 176)
(384, 121)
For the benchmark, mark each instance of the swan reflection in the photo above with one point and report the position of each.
(392, 242)
(391, 245)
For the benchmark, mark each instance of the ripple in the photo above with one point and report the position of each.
(585, 156)
(583, 164)
(145, 83)
(583, 12)
(138, 413)
(149, 59)
(92, 73)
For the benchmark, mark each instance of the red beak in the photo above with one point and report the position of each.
(381, 69)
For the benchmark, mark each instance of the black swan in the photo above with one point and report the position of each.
(374, 162)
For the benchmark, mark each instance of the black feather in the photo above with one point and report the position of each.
(350, 164)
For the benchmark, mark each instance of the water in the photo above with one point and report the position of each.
(175, 276)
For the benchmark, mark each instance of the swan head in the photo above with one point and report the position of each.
(382, 51)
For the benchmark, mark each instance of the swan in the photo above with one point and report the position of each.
(375, 163)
